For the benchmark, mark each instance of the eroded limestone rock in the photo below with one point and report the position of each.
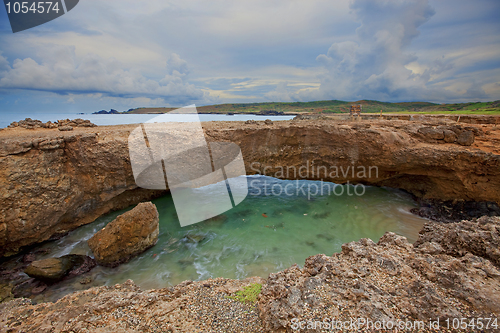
(55, 269)
(390, 280)
(466, 138)
(86, 173)
(125, 237)
(451, 272)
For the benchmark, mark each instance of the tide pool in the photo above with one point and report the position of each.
(264, 234)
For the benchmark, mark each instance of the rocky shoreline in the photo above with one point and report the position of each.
(85, 173)
(62, 125)
(453, 210)
(53, 181)
(451, 271)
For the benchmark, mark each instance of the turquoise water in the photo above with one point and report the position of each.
(264, 234)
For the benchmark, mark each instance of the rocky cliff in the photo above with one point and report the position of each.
(393, 283)
(52, 182)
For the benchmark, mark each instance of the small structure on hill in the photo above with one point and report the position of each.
(355, 110)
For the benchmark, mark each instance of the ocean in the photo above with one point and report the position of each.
(123, 119)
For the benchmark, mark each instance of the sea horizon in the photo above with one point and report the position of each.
(124, 119)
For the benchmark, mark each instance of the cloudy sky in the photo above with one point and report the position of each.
(124, 54)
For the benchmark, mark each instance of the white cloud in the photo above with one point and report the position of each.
(4, 64)
(60, 71)
(374, 66)
(176, 64)
(377, 64)
(104, 44)
(189, 51)
(281, 94)
(272, 22)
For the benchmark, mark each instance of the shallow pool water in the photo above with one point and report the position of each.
(266, 233)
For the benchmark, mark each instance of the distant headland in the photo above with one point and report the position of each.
(328, 107)
(112, 111)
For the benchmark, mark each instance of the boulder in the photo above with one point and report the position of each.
(466, 138)
(49, 270)
(52, 270)
(125, 237)
(475, 130)
(268, 122)
(449, 136)
(431, 133)
(65, 128)
(81, 264)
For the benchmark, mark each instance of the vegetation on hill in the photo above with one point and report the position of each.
(335, 106)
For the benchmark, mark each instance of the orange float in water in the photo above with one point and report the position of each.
(264, 215)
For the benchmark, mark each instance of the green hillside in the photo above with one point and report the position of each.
(335, 106)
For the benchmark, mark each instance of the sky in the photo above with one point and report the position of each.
(124, 54)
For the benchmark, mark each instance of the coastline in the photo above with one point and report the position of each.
(90, 175)
(85, 173)
(390, 282)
